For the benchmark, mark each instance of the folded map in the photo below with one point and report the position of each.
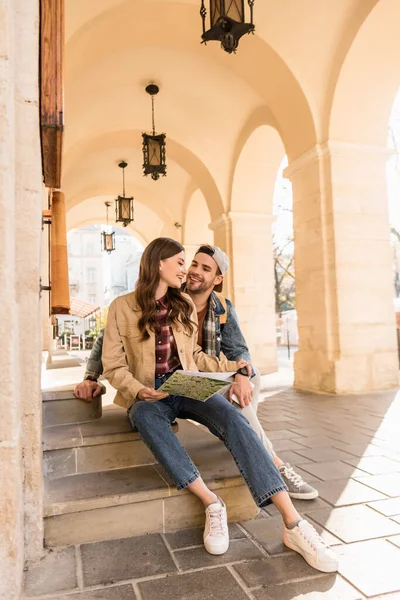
(196, 385)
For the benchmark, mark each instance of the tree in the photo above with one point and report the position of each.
(284, 277)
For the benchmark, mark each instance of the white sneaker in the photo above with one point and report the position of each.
(305, 540)
(216, 534)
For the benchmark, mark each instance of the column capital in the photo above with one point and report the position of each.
(335, 148)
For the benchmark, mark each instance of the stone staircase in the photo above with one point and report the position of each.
(101, 482)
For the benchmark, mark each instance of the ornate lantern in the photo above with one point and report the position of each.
(107, 237)
(153, 144)
(123, 205)
(227, 22)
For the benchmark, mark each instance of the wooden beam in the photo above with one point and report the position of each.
(51, 89)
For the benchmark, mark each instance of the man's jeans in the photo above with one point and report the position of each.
(153, 421)
(250, 412)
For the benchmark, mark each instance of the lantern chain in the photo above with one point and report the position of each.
(251, 5)
(152, 115)
(203, 13)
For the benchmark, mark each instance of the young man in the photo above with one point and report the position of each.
(219, 331)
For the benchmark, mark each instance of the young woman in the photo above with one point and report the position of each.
(149, 334)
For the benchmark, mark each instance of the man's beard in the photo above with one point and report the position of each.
(200, 290)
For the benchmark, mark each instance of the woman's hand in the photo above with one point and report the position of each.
(150, 395)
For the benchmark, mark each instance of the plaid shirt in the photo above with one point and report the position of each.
(166, 352)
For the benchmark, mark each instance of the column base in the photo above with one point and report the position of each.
(349, 375)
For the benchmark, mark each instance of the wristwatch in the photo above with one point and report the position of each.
(243, 371)
(90, 378)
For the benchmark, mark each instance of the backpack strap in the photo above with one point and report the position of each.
(223, 318)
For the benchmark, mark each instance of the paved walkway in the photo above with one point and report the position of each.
(349, 447)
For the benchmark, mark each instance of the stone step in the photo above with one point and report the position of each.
(108, 443)
(60, 407)
(117, 503)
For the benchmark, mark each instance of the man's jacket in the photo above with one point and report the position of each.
(226, 337)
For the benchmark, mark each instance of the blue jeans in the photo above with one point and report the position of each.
(153, 421)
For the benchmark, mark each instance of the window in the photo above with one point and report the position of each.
(91, 275)
(92, 298)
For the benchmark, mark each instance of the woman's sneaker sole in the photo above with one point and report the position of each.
(306, 496)
(326, 567)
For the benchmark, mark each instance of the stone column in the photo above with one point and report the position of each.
(247, 239)
(28, 232)
(21, 514)
(344, 278)
(11, 473)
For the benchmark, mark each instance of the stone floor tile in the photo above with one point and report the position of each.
(308, 477)
(360, 449)
(293, 458)
(288, 444)
(396, 518)
(332, 470)
(387, 507)
(388, 484)
(127, 558)
(276, 570)
(40, 578)
(342, 492)
(354, 523)
(395, 539)
(278, 425)
(119, 592)
(324, 454)
(215, 584)
(268, 533)
(353, 438)
(195, 558)
(312, 432)
(375, 465)
(372, 567)
(302, 506)
(330, 587)
(281, 434)
(194, 537)
(315, 441)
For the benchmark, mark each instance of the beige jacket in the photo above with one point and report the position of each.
(129, 364)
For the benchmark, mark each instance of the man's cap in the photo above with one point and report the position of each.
(220, 258)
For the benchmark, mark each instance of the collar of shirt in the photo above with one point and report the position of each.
(163, 301)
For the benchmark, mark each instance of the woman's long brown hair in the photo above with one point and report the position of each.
(179, 308)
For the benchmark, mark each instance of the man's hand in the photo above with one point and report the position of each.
(87, 390)
(240, 364)
(242, 389)
(151, 395)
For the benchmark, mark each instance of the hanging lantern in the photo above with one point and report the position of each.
(123, 205)
(107, 237)
(153, 144)
(227, 22)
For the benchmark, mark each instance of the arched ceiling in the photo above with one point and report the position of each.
(287, 72)
(369, 79)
